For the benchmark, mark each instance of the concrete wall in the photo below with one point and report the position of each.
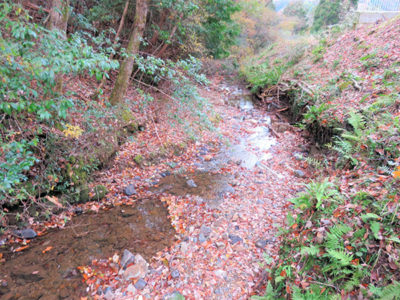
(370, 17)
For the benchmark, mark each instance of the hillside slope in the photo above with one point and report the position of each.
(342, 238)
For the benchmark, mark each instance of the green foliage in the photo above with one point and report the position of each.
(33, 60)
(326, 13)
(219, 30)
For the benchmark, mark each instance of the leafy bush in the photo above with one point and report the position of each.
(33, 62)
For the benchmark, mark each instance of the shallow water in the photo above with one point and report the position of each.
(32, 274)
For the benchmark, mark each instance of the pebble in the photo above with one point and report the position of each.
(205, 230)
(175, 274)
(299, 173)
(130, 190)
(202, 238)
(191, 183)
(184, 247)
(131, 289)
(261, 244)
(165, 174)
(140, 284)
(234, 239)
(220, 273)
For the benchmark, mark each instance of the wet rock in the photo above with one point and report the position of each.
(130, 190)
(138, 270)
(234, 239)
(175, 274)
(174, 296)
(27, 233)
(140, 284)
(127, 259)
(261, 244)
(191, 183)
(299, 173)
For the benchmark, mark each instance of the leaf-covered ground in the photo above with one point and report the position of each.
(219, 248)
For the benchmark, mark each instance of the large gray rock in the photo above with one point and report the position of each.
(130, 190)
(127, 259)
(27, 233)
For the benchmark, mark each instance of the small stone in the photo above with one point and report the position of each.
(127, 259)
(220, 244)
(184, 247)
(131, 289)
(99, 291)
(138, 270)
(205, 230)
(299, 173)
(108, 293)
(175, 274)
(191, 183)
(220, 273)
(165, 174)
(140, 284)
(234, 239)
(25, 233)
(130, 190)
(202, 238)
(261, 244)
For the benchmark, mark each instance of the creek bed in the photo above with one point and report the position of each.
(32, 274)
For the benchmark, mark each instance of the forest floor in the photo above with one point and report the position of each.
(226, 195)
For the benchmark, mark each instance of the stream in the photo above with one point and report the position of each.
(143, 228)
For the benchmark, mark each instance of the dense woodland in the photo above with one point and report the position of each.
(94, 90)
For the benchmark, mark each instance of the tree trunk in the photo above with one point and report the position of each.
(59, 15)
(121, 24)
(58, 20)
(122, 82)
(167, 42)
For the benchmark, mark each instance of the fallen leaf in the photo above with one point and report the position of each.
(47, 249)
(20, 248)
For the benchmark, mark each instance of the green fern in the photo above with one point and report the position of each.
(357, 121)
(312, 251)
(340, 256)
(391, 292)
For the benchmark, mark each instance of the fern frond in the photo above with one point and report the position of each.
(391, 291)
(340, 256)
